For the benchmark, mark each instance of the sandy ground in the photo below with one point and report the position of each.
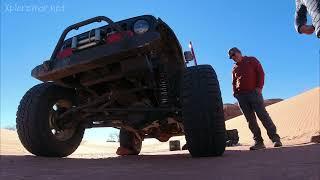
(296, 163)
(297, 119)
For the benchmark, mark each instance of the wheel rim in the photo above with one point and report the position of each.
(57, 130)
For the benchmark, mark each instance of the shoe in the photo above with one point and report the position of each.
(257, 146)
(277, 144)
(122, 151)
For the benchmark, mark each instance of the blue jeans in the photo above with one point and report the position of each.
(251, 103)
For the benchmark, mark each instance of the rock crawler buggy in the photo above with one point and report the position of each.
(130, 75)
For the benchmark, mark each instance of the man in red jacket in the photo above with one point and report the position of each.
(247, 83)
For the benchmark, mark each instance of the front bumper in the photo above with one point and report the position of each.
(98, 56)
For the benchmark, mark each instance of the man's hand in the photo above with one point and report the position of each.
(307, 29)
(259, 90)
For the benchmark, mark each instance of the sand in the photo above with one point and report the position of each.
(297, 119)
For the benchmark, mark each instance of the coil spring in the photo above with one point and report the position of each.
(164, 98)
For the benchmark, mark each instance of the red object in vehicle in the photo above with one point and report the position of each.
(117, 36)
(64, 53)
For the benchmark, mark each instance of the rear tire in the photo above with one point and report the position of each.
(35, 117)
(202, 112)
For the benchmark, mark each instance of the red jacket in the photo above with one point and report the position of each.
(247, 75)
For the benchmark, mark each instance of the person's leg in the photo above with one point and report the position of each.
(250, 116)
(130, 144)
(263, 115)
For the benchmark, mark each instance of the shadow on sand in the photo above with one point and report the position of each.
(280, 163)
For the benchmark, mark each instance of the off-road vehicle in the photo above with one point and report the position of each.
(131, 75)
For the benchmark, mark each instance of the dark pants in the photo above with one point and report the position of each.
(251, 103)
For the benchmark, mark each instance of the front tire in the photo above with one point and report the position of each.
(202, 111)
(37, 123)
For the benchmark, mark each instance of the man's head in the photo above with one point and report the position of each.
(235, 54)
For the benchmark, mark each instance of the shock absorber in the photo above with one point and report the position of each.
(164, 97)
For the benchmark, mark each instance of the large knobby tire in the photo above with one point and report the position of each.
(129, 140)
(202, 111)
(35, 119)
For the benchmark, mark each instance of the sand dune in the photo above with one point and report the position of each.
(297, 119)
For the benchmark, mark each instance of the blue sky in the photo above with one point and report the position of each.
(265, 29)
